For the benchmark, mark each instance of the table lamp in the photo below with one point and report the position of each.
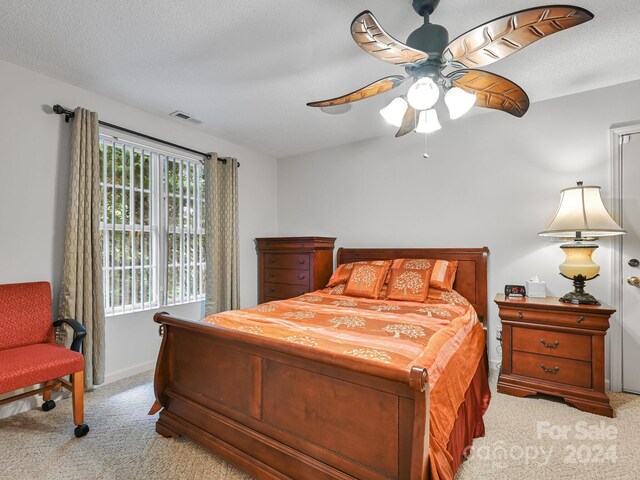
(581, 216)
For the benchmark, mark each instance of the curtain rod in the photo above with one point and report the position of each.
(68, 115)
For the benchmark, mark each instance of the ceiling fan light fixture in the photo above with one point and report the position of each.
(428, 122)
(458, 101)
(423, 94)
(394, 112)
(434, 62)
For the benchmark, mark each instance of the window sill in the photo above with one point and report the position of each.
(152, 309)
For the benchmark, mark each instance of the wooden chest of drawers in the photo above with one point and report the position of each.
(554, 348)
(292, 266)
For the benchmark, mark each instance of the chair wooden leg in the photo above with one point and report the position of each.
(46, 395)
(47, 403)
(77, 393)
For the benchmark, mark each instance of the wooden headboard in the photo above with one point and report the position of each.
(471, 277)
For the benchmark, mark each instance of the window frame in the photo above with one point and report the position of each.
(158, 227)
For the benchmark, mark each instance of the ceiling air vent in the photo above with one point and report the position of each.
(184, 116)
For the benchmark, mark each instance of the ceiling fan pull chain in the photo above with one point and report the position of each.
(425, 154)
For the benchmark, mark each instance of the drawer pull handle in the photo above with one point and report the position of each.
(271, 275)
(549, 345)
(270, 290)
(580, 319)
(301, 277)
(520, 316)
(301, 262)
(270, 260)
(552, 371)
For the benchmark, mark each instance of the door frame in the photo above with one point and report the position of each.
(616, 141)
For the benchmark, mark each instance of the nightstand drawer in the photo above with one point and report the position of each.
(285, 275)
(552, 369)
(281, 290)
(284, 260)
(551, 317)
(556, 344)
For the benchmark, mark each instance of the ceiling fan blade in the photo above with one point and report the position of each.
(379, 86)
(492, 91)
(503, 36)
(408, 122)
(372, 38)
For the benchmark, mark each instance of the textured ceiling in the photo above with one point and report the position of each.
(247, 68)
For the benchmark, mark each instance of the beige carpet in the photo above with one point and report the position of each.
(122, 443)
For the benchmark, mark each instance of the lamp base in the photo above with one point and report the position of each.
(579, 296)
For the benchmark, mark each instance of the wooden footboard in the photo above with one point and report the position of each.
(283, 411)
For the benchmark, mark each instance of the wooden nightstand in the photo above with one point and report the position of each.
(292, 266)
(554, 348)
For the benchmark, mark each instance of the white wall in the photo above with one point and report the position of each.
(34, 175)
(492, 180)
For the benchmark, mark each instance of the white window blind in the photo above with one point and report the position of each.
(152, 227)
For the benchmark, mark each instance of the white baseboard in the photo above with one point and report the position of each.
(19, 406)
(35, 401)
(494, 365)
(129, 372)
(28, 403)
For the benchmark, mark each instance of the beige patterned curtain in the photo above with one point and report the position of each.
(81, 295)
(221, 240)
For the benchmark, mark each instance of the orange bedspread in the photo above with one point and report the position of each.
(443, 335)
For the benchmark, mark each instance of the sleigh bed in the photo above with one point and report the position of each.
(291, 405)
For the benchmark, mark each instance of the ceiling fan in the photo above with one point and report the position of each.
(436, 64)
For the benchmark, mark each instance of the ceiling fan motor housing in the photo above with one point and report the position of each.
(431, 39)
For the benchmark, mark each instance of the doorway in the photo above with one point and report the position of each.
(625, 338)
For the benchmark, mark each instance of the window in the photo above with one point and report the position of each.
(152, 227)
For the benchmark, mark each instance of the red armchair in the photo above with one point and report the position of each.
(29, 354)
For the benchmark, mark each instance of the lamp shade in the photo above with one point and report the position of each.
(458, 102)
(581, 213)
(428, 122)
(394, 112)
(423, 94)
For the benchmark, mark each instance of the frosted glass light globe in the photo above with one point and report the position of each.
(394, 112)
(458, 102)
(423, 94)
(428, 122)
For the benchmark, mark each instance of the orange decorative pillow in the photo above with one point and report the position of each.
(343, 272)
(443, 271)
(366, 280)
(444, 274)
(409, 285)
(413, 263)
(341, 275)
